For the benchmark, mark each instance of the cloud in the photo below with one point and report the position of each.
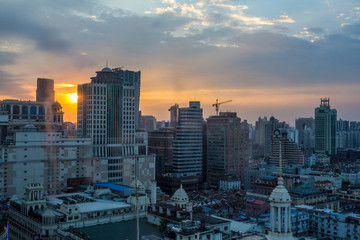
(7, 58)
(12, 85)
(21, 19)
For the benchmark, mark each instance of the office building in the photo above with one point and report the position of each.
(161, 144)
(45, 90)
(187, 145)
(228, 147)
(291, 154)
(108, 112)
(187, 151)
(270, 127)
(325, 128)
(306, 137)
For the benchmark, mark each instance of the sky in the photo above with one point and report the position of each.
(269, 57)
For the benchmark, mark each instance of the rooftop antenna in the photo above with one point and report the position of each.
(106, 62)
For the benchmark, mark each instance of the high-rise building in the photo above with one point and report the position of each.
(161, 144)
(325, 128)
(270, 127)
(260, 131)
(306, 130)
(290, 152)
(45, 90)
(174, 111)
(108, 112)
(228, 147)
(187, 145)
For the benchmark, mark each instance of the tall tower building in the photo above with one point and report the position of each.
(228, 147)
(306, 127)
(290, 152)
(280, 209)
(187, 145)
(108, 113)
(325, 128)
(45, 90)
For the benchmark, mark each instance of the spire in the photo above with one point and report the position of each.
(280, 179)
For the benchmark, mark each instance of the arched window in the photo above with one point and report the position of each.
(33, 112)
(16, 111)
(25, 112)
(41, 112)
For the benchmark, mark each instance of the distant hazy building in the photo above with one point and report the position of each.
(228, 147)
(260, 131)
(325, 128)
(174, 112)
(45, 90)
(290, 152)
(306, 129)
(147, 123)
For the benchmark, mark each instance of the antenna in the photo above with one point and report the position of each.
(106, 62)
(137, 202)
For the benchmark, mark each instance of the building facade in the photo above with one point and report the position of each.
(48, 158)
(108, 113)
(290, 152)
(45, 90)
(325, 128)
(228, 147)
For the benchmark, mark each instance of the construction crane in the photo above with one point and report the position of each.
(216, 105)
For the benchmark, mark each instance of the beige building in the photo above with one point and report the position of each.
(47, 158)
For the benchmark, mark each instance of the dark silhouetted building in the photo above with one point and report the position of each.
(45, 90)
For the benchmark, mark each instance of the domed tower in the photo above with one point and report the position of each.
(180, 197)
(280, 207)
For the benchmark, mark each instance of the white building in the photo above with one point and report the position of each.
(47, 158)
(280, 211)
(36, 216)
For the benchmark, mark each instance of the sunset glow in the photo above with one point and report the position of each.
(73, 97)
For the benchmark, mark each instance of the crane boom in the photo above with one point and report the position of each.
(216, 105)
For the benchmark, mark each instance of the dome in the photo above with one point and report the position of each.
(180, 195)
(48, 213)
(106, 69)
(280, 194)
(29, 126)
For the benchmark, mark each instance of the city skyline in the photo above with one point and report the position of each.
(269, 59)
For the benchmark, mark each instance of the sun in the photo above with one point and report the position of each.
(73, 97)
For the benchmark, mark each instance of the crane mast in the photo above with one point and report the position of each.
(216, 105)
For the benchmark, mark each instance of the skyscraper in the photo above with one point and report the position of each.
(290, 152)
(108, 113)
(45, 90)
(306, 127)
(187, 145)
(228, 147)
(325, 128)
